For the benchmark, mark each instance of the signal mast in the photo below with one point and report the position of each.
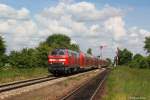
(101, 48)
(116, 59)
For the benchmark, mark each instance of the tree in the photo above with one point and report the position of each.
(75, 47)
(2, 52)
(143, 63)
(58, 40)
(137, 56)
(42, 54)
(109, 61)
(139, 61)
(61, 41)
(26, 58)
(89, 51)
(2, 46)
(13, 58)
(148, 60)
(135, 61)
(124, 56)
(147, 44)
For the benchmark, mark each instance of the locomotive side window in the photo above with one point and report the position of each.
(54, 53)
(69, 52)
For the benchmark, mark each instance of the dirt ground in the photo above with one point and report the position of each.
(56, 91)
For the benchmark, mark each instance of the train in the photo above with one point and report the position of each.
(66, 61)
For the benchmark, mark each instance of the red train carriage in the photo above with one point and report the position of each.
(86, 61)
(103, 63)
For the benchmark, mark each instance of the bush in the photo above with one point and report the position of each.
(148, 61)
(3, 60)
(143, 63)
(26, 58)
(139, 61)
(124, 56)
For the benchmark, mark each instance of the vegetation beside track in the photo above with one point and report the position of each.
(14, 74)
(125, 83)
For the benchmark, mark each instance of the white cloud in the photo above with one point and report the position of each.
(145, 33)
(115, 25)
(7, 12)
(16, 27)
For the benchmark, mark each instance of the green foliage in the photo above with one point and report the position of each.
(26, 58)
(58, 40)
(42, 53)
(2, 52)
(139, 61)
(147, 44)
(3, 60)
(124, 82)
(148, 61)
(61, 41)
(74, 47)
(135, 61)
(2, 46)
(143, 63)
(109, 61)
(89, 51)
(8, 74)
(124, 56)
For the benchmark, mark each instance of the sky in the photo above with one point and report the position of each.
(89, 23)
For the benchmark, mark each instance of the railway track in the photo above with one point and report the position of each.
(89, 89)
(23, 83)
(19, 84)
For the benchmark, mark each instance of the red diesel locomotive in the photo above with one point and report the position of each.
(64, 61)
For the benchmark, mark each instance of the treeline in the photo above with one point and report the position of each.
(34, 57)
(126, 57)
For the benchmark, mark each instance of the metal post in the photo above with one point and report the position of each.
(101, 47)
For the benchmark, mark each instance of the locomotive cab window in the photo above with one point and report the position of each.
(58, 52)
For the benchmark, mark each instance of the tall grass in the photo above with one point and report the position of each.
(126, 83)
(13, 74)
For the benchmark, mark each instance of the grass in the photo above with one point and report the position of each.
(126, 83)
(14, 74)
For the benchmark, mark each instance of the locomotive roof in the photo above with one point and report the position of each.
(66, 49)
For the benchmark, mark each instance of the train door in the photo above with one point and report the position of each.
(73, 59)
(70, 58)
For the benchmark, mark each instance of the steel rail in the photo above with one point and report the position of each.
(22, 81)
(19, 84)
(100, 85)
(76, 91)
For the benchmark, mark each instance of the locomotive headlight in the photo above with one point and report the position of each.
(52, 59)
(62, 59)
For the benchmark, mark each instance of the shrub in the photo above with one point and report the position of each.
(139, 61)
(143, 63)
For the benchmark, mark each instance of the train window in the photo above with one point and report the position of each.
(69, 52)
(58, 52)
(54, 53)
(61, 53)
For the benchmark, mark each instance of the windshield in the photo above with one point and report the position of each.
(58, 52)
